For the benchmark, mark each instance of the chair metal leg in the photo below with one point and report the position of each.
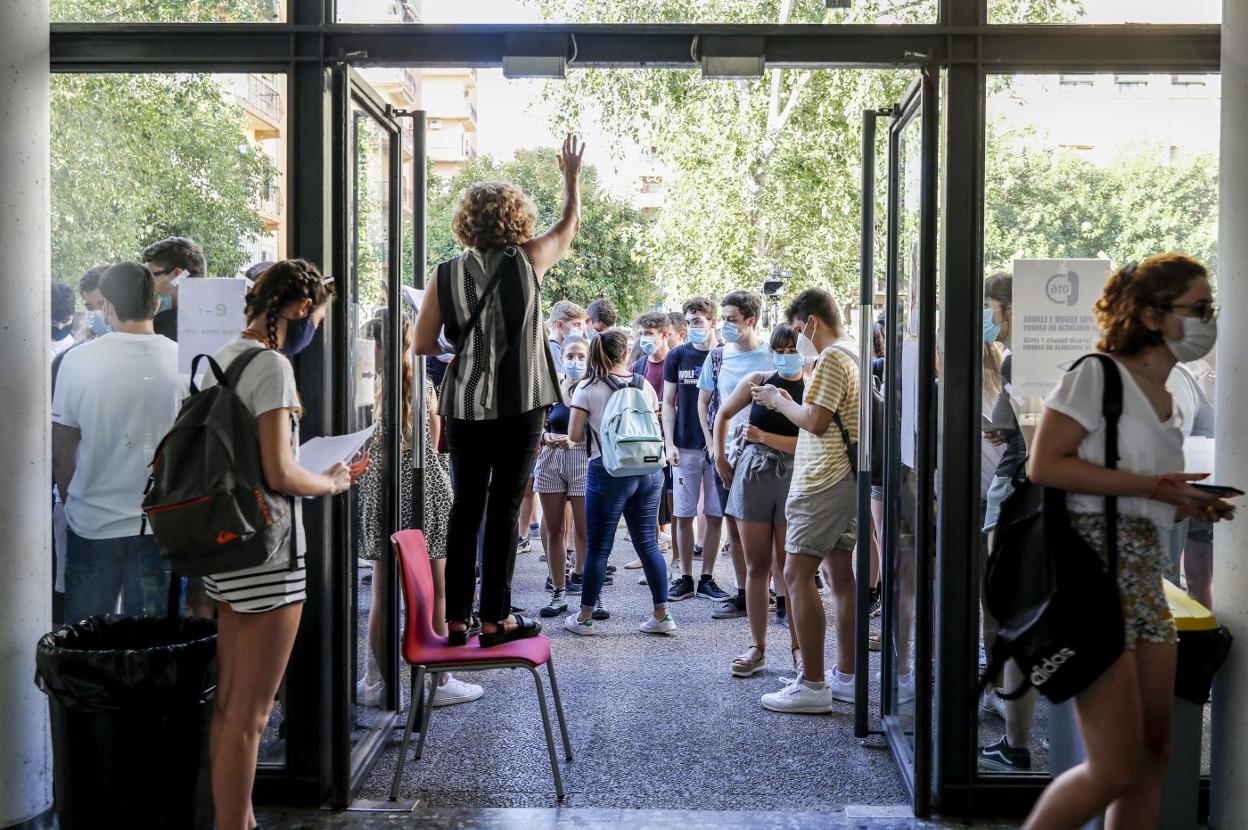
(550, 736)
(563, 722)
(412, 706)
(424, 728)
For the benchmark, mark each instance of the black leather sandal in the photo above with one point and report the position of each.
(461, 638)
(524, 629)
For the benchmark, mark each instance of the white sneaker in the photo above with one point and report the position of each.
(990, 703)
(576, 625)
(634, 565)
(455, 691)
(664, 626)
(842, 690)
(664, 544)
(368, 694)
(797, 697)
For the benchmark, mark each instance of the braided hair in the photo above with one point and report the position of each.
(282, 283)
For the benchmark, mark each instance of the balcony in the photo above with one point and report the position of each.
(270, 206)
(264, 99)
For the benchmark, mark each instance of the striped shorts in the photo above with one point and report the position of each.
(262, 588)
(560, 471)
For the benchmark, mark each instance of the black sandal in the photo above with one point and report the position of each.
(461, 638)
(524, 629)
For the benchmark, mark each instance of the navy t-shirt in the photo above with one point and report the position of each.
(683, 367)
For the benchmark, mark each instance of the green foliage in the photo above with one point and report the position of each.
(163, 11)
(603, 261)
(136, 158)
(1046, 202)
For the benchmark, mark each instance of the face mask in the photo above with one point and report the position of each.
(991, 329)
(579, 331)
(1197, 340)
(591, 333)
(788, 364)
(647, 344)
(299, 334)
(166, 303)
(97, 323)
(697, 335)
(731, 332)
(61, 332)
(574, 369)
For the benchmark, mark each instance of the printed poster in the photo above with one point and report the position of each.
(210, 314)
(1053, 321)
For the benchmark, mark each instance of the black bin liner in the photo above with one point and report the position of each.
(1201, 654)
(129, 702)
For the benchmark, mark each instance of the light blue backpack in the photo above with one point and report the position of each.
(631, 441)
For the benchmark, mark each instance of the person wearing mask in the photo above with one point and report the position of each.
(566, 319)
(693, 478)
(608, 497)
(822, 507)
(95, 321)
(62, 319)
(759, 486)
(652, 349)
(498, 387)
(744, 353)
(172, 260)
(1152, 314)
(116, 397)
(601, 314)
(258, 608)
(559, 479)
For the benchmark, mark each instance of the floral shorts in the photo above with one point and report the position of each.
(1142, 560)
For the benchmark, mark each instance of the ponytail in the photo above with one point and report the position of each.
(606, 351)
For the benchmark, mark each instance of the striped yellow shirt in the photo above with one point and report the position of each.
(822, 460)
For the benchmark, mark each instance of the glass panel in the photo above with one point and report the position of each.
(168, 11)
(369, 240)
(902, 488)
(1104, 11)
(635, 11)
(1069, 176)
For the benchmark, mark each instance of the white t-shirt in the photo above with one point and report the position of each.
(592, 397)
(1147, 445)
(268, 383)
(122, 392)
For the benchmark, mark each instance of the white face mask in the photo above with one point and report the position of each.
(806, 346)
(1197, 340)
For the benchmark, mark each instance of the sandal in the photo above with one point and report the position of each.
(461, 638)
(525, 628)
(743, 665)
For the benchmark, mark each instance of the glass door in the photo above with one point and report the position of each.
(368, 357)
(909, 386)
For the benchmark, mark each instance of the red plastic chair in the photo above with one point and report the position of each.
(430, 654)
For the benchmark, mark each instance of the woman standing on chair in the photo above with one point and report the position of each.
(258, 608)
(497, 389)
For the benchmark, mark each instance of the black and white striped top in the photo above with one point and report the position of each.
(504, 367)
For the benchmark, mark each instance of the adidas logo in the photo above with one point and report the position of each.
(1043, 671)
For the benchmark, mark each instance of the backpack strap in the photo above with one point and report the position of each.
(237, 365)
(1111, 408)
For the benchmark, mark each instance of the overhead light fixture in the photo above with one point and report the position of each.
(731, 57)
(530, 55)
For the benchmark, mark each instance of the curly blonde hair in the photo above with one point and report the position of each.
(1138, 289)
(494, 214)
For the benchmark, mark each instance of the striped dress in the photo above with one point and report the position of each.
(505, 367)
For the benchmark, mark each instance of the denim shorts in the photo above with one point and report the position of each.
(998, 492)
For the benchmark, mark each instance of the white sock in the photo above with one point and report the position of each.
(841, 676)
(813, 684)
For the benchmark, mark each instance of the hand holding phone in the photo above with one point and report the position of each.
(1220, 490)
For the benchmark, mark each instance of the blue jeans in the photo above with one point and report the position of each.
(637, 499)
(97, 570)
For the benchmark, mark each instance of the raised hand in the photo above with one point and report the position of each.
(570, 156)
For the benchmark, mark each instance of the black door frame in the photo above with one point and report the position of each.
(961, 43)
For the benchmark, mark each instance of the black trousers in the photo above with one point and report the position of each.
(491, 462)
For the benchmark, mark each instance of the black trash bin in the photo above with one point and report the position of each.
(129, 703)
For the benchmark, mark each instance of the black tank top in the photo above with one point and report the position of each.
(557, 419)
(771, 421)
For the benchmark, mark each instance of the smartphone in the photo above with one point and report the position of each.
(1219, 490)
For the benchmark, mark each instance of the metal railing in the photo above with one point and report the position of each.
(264, 96)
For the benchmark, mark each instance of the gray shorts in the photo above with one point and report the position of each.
(694, 479)
(822, 522)
(759, 497)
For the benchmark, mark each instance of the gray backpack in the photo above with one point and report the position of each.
(206, 501)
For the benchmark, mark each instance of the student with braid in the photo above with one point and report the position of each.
(259, 608)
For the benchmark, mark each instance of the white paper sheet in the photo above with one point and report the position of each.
(1198, 456)
(319, 454)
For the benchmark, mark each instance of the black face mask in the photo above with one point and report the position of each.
(61, 332)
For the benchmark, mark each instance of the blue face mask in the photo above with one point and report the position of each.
(299, 334)
(97, 323)
(788, 364)
(991, 329)
(574, 369)
(166, 303)
(697, 335)
(647, 343)
(731, 332)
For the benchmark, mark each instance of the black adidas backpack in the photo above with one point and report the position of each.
(206, 501)
(1058, 606)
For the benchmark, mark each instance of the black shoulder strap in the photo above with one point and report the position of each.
(1111, 408)
(238, 364)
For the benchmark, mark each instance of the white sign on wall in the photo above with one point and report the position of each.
(210, 314)
(1053, 323)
